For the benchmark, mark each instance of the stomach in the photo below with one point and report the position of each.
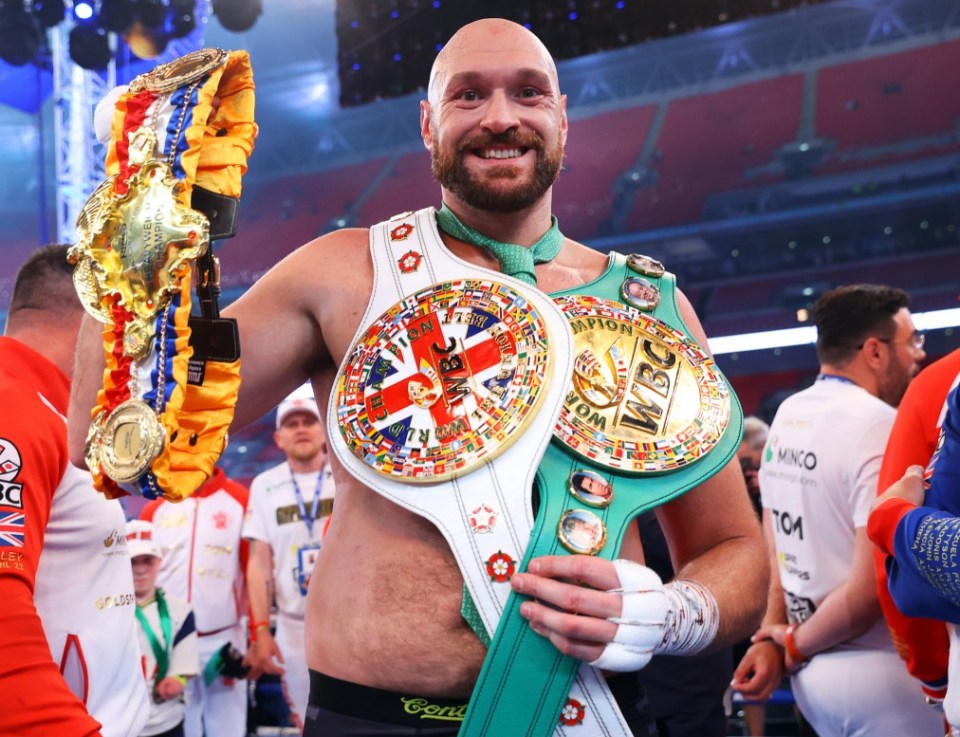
(383, 606)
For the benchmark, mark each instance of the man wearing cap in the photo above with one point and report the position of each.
(289, 509)
(204, 563)
(168, 636)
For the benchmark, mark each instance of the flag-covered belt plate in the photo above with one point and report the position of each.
(443, 380)
(644, 398)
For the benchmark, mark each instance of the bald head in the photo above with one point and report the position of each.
(490, 36)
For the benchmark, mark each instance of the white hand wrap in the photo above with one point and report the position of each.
(680, 618)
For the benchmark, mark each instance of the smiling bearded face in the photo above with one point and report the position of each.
(502, 189)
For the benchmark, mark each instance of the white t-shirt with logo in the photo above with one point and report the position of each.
(84, 595)
(274, 517)
(818, 478)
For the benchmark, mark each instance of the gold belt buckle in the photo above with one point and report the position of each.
(135, 244)
(644, 398)
(179, 72)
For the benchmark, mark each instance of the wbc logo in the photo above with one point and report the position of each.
(11, 494)
(644, 397)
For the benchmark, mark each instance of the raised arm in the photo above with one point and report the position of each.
(280, 318)
(87, 379)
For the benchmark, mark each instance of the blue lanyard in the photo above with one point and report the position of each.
(308, 520)
(835, 377)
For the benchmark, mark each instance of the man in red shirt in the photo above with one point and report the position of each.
(68, 634)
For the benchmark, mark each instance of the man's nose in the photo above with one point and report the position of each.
(500, 114)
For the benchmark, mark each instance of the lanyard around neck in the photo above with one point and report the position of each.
(161, 653)
(836, 377)
(308, 520)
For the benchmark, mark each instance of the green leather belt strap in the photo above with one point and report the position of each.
(525, 680)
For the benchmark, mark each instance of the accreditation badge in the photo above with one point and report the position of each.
(306, 557)
(644, 398)
(444, 380)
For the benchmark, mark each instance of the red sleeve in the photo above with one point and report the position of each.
(883, 521)
(146, 514)
(923, 643)
(33, 454)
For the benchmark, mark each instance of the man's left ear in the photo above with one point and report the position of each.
(425, 132)
(564, 125)
(872, 353)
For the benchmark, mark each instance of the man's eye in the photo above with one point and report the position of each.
(470, 96)
(529, 92)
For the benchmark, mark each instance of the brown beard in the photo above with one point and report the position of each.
(451, 171)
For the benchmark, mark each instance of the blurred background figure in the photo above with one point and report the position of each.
(168, 637)
(923, 643)
(204, 563)
(289, 509)
(68, 635)
(750, 453)
(818, 479)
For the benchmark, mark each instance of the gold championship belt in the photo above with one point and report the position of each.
(647, 416)
(180, 138)
(645, 398)
(443, 381)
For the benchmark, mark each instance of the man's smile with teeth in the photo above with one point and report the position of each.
(501, 153)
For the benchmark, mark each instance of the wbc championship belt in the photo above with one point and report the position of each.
(180, 138)
(447, 398)
(646, 417)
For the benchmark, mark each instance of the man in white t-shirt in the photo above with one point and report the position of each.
(818, 479)
(289, 509)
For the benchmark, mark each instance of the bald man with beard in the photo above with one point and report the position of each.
(383, 622)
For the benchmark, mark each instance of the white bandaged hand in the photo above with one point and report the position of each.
(103, 115)
(680, 618)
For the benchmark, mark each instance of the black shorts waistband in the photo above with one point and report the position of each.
(380, 705)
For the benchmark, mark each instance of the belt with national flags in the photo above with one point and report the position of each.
(431, 408)
(181, 135)
(447, 398)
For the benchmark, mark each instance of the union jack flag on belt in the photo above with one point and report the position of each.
(12, 529)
